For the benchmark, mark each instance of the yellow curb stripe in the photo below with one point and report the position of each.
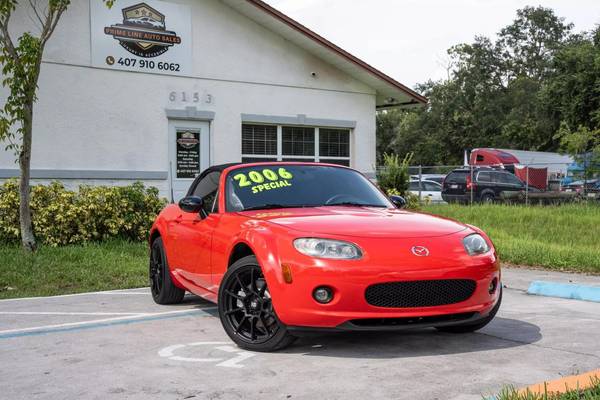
(565, 384)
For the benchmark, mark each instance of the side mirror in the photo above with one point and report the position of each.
(398, 201)
(191, 204)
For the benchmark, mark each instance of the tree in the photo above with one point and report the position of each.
(530, 42)
(21, 60)
(507, 93)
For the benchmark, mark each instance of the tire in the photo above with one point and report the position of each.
(487, 198)
(246, 310)
(162, 287)
(477, 326)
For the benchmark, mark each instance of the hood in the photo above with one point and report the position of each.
(359, 222)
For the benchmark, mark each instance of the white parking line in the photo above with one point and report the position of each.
(66, 313)
(95, 321)
(105, 292)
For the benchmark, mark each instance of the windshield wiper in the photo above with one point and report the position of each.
(353, 204)
(274, 206)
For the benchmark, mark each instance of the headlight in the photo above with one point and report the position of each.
(475, 244)
(326, 248)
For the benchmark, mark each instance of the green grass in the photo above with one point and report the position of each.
(563, 237)
(592, 393)
(72, 269)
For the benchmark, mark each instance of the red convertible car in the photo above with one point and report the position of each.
(291, 247)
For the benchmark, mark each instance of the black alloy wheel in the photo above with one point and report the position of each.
(246, 309)
(162, 287)
(156, 268)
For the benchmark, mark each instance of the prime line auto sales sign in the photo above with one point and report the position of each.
(150, 36)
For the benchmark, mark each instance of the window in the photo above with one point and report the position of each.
(259, 140)
(207, 189)
(431, 187)
(298, 141)
(414, 186)
(484, 177)
(457, 177)
(334, 143)
(337, 162)
(264, 143)
(510, 179)
(306, 185)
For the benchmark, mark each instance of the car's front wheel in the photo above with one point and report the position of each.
(246, 309)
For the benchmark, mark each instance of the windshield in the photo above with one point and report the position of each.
(287, 186)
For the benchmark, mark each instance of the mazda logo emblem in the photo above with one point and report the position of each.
(420, 251)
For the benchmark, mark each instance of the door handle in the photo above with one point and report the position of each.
(178, 219)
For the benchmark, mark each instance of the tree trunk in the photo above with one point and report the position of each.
(27, 237)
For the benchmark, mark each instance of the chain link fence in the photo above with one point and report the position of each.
(530, 184)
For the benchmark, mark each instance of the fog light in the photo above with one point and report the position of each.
(493, 285)
(323, 294)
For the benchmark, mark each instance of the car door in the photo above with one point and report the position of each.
(511, 183)
(485, 183)
(498, 183)
(194, 233)
(414, 188)
(433, 190)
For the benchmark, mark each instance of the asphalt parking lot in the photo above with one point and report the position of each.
(120, 345)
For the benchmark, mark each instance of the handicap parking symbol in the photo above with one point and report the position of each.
(234, 359)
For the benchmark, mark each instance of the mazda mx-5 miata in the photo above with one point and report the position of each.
(291, 247)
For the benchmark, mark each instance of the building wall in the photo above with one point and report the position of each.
(98, 119)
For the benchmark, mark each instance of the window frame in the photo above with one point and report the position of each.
(317, 157)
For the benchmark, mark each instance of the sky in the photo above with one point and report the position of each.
(408, 39)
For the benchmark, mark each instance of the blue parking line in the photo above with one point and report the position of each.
(565, 291)
(96, 325)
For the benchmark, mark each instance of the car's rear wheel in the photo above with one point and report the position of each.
(162, 287)
(246, 309)
(487, 198)
(468, 328)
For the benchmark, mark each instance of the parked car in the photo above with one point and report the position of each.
(439, 178)
(429, 190)
(591, 186)
(487, 184)
(284, 248)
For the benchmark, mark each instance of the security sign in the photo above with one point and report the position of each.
(150, 36)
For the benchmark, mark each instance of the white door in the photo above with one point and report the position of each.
(189, 154)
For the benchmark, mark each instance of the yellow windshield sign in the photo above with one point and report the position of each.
(266, 179)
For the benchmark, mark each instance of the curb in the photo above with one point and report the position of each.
(561, 385)
(565, 291)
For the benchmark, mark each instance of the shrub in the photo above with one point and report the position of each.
(94, 213)
(393, 178)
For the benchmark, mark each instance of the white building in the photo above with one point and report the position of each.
(157, 91)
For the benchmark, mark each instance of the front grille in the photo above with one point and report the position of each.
(420, 293)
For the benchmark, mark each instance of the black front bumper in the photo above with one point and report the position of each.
(396, 324)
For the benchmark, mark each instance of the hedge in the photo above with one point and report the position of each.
(93, 213)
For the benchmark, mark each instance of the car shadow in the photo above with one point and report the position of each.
(501, 333)
(193, 300)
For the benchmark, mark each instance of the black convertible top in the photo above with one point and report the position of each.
(220, 168)
(214, 168)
